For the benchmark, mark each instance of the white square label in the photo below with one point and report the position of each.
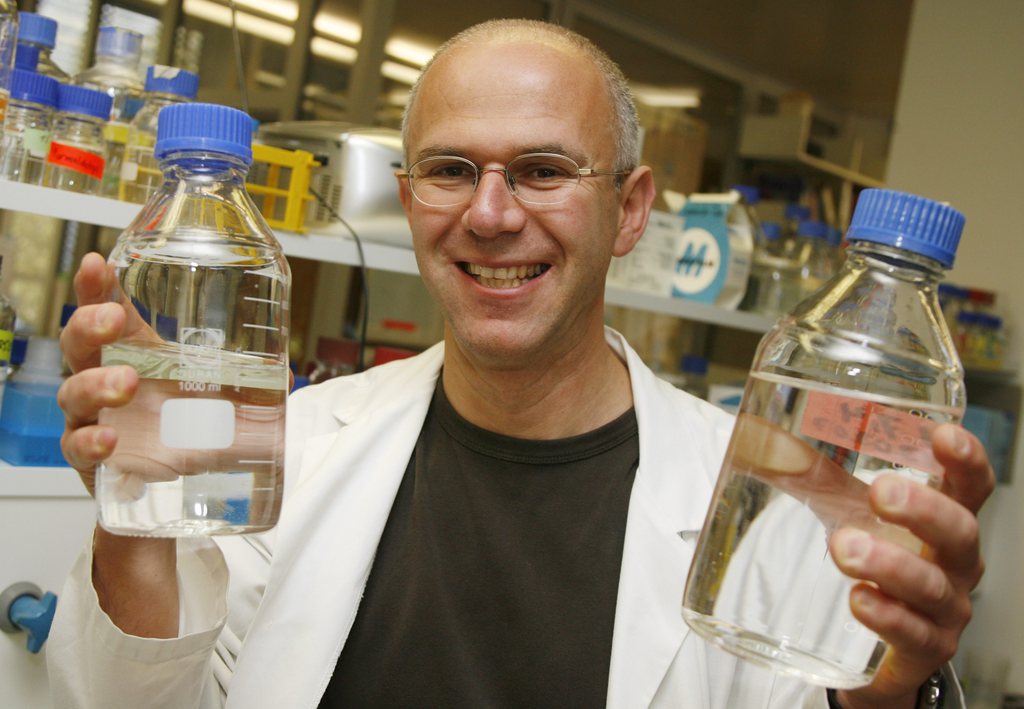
(202, 424)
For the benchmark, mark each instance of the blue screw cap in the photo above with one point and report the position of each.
(750, 194)
(907, 221)
(203, 126)
(119, 42)
(34, 88)
(771, 230)
(26, 56)
(809, 227)
(172, 80)
(78, 99)
(37, 28)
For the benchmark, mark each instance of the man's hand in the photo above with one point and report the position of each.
(918, 604)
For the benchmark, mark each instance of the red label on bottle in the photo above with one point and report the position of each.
(76, 159)
(900, 437)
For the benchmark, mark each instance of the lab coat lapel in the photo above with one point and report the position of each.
(667, 505)
(320, 570)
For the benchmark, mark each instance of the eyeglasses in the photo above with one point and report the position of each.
(534, 178)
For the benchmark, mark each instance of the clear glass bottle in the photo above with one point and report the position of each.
(117, 73)
(844, 389)
(201, 446)
(41, 32)
(140, 173)
(819, 264)
(7, 318)
(77, 150)
(26, 137)
(774, 275)
(8, 38)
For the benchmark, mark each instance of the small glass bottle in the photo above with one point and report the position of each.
(775, 275)
(26, 137)
(77, 149)
(7, 318)
(116, 73)
(41, 32)
(819, 264)
(846, 388)
(200, 448)
(140, 173)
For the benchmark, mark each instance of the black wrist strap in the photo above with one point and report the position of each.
(931, 695)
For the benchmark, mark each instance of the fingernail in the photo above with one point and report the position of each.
(892, 494)
(853, 546)
(114, 380)
(864, 600)
(961, 443)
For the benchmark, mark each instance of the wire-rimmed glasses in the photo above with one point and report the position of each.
(534, 178)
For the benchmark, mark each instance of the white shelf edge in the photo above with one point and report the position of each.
(341, 249)
(17, 481)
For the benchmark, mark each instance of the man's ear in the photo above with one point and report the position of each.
(405, 194)
(635, 199)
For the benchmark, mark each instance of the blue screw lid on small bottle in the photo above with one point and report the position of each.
(771, 230)
(78, 99)
(118, 42)
(171, 80)
(797, 211)
(203, 126)
(809, 227)
(26, 56)
(750, 194)
(34, 88)
(909, 222)
(37, 28)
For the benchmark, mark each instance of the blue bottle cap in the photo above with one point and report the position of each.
(694, 364)
(203, 126)
(172, 80)
(26, 57)
(33, 87)
(119, 42)
(749, 193)
(771, 230)
(797, 212)
(78, 99)
(909, 222)
(833, 235)
(809, 227)
(37, 28)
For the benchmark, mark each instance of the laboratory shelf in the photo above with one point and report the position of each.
(336, 248)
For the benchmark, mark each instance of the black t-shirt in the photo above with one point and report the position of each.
(495, 580)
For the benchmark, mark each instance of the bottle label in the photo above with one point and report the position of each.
(6, 340)
(37, 142)
(871, 428)
(76, 159)
(702, 256)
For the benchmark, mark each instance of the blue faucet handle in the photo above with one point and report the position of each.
(23, 606)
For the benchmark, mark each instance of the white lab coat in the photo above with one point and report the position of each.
(349, 442)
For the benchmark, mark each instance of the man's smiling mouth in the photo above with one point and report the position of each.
(504, 277)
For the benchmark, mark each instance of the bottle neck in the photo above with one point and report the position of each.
(900, 263)
(79, 126)
(204, 165)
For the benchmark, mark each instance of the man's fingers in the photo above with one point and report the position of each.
(949, 529)
(969, 478)
(92, 280)
(87, 446)
(89, 328)
(82, 395)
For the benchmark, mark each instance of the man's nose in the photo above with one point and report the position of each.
(493, 210)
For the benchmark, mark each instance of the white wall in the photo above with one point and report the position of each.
(959, 136)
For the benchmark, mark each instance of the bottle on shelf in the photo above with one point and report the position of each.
(41, 33)
(27, 127)
(26, 57)
(210, 344)
(820, 262)
(77, 149)
(8, 39)
(31, 422)
(140, 173)
(116, 73)
(7, 318)
(774, 275)
(749, 198)
(846, 388)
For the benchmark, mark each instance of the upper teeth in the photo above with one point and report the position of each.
(504, 272)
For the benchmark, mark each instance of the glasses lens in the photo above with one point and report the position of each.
(544, 178)
(442, 181)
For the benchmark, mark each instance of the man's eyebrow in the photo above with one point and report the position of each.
(433, 151)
